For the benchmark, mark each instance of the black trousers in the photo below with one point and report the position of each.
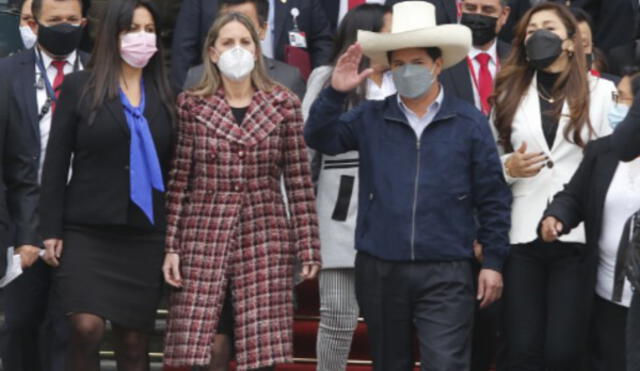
(544, 298)
(633, 334)
(607, 339)
(434, 300)
(35, 332)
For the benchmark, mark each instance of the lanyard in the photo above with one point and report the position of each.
(51, 94)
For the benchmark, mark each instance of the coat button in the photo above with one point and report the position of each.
(236, 188)
(370, 196)
(550, 164)
(241, 154)
(212, 156)
(126, 167)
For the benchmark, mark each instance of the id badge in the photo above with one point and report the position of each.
(298, 39)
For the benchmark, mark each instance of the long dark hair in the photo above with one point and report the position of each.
(515, 76)
(105, 65)
(368, 17)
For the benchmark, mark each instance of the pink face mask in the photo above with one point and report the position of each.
(136, 48)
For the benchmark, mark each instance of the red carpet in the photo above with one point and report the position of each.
(305, 329)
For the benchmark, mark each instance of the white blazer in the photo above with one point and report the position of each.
(532, 195)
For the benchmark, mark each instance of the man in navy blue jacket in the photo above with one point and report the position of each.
(427, 161)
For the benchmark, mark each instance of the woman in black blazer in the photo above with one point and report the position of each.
(103, 220)
(603, 193)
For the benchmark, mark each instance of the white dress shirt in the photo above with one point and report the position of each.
(375, 92)
(493, 69)
(41, 96)
(418, 124)
(267, 43)
(623, 199)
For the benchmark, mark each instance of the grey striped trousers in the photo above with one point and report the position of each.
(338, 318)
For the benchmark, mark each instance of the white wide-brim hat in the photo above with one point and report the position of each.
(414, 26)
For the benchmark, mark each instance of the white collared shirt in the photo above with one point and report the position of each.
(493, 69)
(623, 199)
(418, 124)
(387, 88)
(267, 43)
(41, 96)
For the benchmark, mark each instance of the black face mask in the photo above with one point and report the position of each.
(543, 48)
(483, 27)
(61, 39)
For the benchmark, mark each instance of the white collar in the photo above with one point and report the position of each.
(493, 51)
(46, 59)
(434, 107)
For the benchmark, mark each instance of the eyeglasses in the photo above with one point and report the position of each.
(618, 98)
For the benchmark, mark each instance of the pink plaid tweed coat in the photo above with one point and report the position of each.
(228, 223)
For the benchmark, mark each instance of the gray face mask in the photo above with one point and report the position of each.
(412, 81)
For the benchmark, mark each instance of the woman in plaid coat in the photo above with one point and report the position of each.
(230, 244)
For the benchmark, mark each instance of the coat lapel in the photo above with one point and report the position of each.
(260, 120)
(562, 125)
(216, 115)
(114, 107)
(533, 119)
(24, 85)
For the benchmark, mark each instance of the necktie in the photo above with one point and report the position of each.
(59, 65)
(485, 82)
(354, 3)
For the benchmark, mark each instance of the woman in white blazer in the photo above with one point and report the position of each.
(547, 107)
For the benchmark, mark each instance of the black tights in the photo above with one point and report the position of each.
(221, 355)
(87, 331)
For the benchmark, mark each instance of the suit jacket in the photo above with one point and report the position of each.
(22, 71)
(281, 72)
(626, 137)
(446, 10)
(99, 190)
(457, 79)
(197, 16)
(19, 176)
(332, 10)
(531, 195)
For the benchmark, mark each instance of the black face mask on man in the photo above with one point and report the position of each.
(61, 39)
(543, 47)
(483, 27)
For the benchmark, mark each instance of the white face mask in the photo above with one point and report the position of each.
(237, 63)
(28, 37)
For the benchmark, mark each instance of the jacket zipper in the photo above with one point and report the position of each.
(415, 201)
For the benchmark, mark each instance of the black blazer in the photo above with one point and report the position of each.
(21, 69)
(583, 199)
(457, 79)
(446, 10)
(18, 173)
(98, 192)
(626, 137)
(197, 16)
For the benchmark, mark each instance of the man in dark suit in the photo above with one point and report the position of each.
(446, 10)
(469, 79)
(34, 77)
(281, 72)
(197, 16)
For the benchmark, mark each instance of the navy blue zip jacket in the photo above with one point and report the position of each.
(417, 196)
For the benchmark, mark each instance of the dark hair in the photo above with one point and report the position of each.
(433, 52)
(262, 7)
(105, 65)
(367, 17)
(582, 16)
(516, 74)
(36, 6)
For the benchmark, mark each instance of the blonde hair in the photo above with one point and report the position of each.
(211, 79)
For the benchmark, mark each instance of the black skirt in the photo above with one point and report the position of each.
(112, 272)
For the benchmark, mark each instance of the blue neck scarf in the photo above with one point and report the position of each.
(145, 173)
